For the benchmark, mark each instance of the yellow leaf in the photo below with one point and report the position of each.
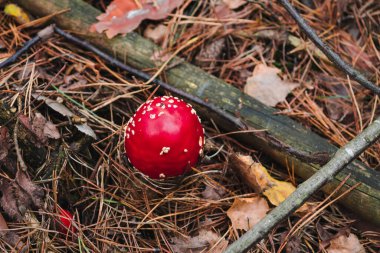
(246, 212)
(279, 192)
(16, 12)
(260, 180)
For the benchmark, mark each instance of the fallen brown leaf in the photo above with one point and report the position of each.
(19, 195)
(246, 212)
(206, 241)
(123, 16)
(266, 86)
(346, 244)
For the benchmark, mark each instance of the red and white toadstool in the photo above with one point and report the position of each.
(164, 138)
(66, 218)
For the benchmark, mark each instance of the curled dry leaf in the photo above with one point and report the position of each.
(345, 244)
(246, 212)
(206, 240)
(123, 16)
(266, 86)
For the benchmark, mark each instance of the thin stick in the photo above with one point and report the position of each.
(41, 35)
(341, 159)
(334, 57)
(146, 77)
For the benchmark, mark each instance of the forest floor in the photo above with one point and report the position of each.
(66, 96)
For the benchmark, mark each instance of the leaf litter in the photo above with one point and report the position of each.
(105, 182)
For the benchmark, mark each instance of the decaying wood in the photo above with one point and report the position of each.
(137, 51)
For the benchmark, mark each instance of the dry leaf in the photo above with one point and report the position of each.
(279, 191)
(19, 195)
(213, 193)
(234, 4)
(123, 16)
(345, 244)
(16, 12)
(156, 33)
(266, 86)
(44, 129)
(206, 240)
(246, 212)
(256, 176)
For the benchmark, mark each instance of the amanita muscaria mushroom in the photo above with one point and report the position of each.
(164, 138)
(66, 218)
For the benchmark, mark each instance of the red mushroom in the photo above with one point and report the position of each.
(66, 218)
(164, 137)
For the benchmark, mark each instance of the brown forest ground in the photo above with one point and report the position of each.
(115, 207)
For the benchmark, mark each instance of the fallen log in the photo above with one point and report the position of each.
(294, 143)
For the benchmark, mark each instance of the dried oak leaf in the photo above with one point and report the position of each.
(123, 16)
(266, 86)
(345, 244)
(205, 241)
(19, 195)
(246, 212)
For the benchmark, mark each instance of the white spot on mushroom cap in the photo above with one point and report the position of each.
(160, 113)
(175, 106)
(162, 175)
(200, 141)
(149, 109)
(133, 132)
(171, 101)
(193, 112)
(163, 99)
(201, 152)
(185, 150)
(133, 123)
(169, 106)
(127, 135)
(139, 120)
(152, 116)
(143, 112)
(164, 150)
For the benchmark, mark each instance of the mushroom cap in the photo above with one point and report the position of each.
(164, 138)
(66, 219)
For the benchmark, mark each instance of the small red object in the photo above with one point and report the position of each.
(164, 138)
(66, 219)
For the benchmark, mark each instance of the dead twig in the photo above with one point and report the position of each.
(41, 35)
(340, 160)
(334, 57)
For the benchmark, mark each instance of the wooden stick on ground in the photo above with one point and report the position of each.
(343, 156)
